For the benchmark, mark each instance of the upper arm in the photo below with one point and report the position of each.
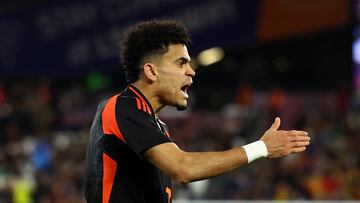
(168, 158)
(138, 128)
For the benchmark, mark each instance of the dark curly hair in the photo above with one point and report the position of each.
(146, 39)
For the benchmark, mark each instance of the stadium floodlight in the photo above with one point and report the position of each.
(211, 56)
(356, 51)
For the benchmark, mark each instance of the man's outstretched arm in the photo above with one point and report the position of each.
(186, 167)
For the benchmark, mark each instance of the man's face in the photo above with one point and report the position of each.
(175, 76)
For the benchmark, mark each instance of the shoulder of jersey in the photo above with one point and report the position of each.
(134, 103)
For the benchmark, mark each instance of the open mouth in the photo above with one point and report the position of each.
(184, 90)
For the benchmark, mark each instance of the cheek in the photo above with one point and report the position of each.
(172, 83)
(170, 89)
(173, 91)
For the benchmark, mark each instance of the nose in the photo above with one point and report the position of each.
(190, 71)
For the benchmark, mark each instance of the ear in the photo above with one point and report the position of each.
(150, 72)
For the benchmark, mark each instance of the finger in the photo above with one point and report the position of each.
(298, 149)
(299, 144)
(299, 132)
(276, 124)
(298, 138)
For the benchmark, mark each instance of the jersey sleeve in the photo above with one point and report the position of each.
(139, 129)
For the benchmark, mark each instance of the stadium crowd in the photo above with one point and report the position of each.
(44, 129)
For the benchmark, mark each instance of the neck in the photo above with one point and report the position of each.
(148, 90)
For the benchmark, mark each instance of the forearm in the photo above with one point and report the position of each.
(202, 165)
(186, 167)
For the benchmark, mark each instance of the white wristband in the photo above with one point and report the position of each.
(255, 150)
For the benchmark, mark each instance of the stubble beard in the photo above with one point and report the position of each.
(181, 108)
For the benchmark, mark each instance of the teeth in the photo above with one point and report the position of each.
(184, 91)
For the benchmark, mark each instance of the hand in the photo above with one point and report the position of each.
(281, 143)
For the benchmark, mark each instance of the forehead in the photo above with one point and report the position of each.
(177, 51)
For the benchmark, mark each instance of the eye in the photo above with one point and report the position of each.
(182, 62)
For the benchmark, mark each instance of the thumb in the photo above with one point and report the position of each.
(276, 124)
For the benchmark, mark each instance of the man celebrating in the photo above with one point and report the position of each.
(130, 156)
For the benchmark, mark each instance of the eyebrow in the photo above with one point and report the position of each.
(183, 59)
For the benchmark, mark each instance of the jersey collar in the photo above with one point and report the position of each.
(140, 95)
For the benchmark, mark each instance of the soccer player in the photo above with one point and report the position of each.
(130, 156)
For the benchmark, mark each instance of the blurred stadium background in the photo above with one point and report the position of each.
(255, 60)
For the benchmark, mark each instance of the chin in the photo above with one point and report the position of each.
(181, 106)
